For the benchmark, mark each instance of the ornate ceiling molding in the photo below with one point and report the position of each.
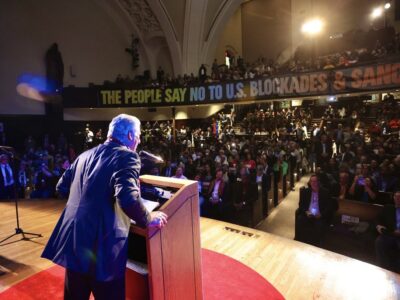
(142, 15)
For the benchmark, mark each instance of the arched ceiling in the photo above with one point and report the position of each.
(141, 14)
(190, 28)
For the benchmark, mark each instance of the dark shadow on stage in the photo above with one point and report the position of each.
(10, 267)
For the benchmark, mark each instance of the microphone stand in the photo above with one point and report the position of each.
(18, 230)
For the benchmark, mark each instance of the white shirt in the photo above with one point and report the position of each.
(89, 136)
(6, 168)
(180, 177)
(314, 205)
(215, 190)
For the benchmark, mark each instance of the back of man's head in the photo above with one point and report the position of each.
(120, 127)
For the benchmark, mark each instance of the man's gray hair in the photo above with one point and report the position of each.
(121, 125)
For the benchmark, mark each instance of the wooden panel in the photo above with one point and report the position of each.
(257, 213)
(365, 211)
(177, 244)
(280, 190)
(175, 268)
(180, 197)
(186, 190)
(297, 270)
(165, 181)
(21, 259)
(155, 265)
(196, 246)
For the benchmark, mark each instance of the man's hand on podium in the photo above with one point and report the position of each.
(158, 219)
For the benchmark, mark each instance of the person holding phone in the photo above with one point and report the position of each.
(314, 213)
(363, 189)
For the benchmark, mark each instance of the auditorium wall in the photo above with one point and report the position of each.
(339, 17)
(144, 114)
(231, 37)
(266, 28)
(91, 43)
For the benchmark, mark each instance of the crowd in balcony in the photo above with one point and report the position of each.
(354, 48)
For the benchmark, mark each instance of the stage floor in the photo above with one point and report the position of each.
(297, 270)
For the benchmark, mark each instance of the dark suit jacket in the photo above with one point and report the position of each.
(164, 171)
(324, 200)
(222, 191)
(2, 178)
(6, 192)
(244, 191)
(319, 149)
(387, 218)
(91, 234)
(266, 179)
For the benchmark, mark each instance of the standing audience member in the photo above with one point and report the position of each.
(89, 138)
(197, 178)
(6, 178)
(217, 197)
(263, 176)
(23, 180)
(244, 194)
(44, 183)
(99, 137)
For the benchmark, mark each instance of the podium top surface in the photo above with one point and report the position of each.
(166, 181)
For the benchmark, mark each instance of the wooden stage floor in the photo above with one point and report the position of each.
(297, 270)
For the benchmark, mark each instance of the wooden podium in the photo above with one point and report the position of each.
(173, 252)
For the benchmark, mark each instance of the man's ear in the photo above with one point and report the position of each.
(130, 135)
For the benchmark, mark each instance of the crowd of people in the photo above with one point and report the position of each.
(384, 45)
(340, 146)
(353, 158)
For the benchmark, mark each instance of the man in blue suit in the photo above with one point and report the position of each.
(91, 237)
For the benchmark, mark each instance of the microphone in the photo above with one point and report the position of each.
(144, 155)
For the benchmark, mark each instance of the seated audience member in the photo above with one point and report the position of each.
(168, 170)
(314, 212)
(190, 168)
(155, 171)
(385, 181)
(206, 178)
(362, 189)
(179, 173)
(387, 244)
(197, 178)
(7, 182)
(217, 197)
(44, 183)
(343, 186)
